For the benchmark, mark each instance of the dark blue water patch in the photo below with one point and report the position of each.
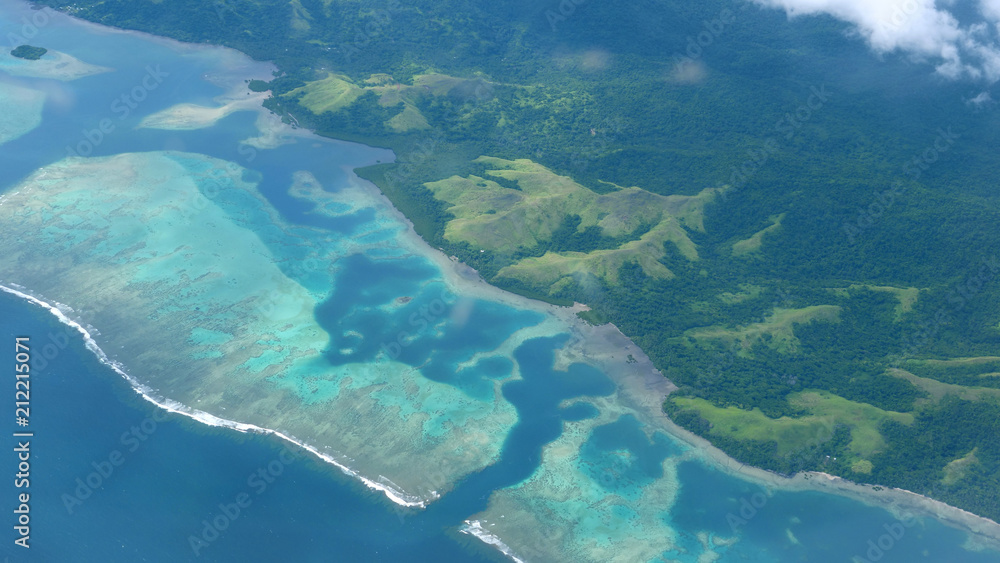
(485, 327)
(272, 170)
(806, 526)
(621, 459)
(361, 287)
(434, 329)
(536, 396)
(88, 120)
(302, 212)
(150, 480)
(251, 176)
(276, 167)
(495, 367)
(94, 122)
(580, 411)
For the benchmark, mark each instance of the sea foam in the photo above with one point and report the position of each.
(61, 311)
(475, 528)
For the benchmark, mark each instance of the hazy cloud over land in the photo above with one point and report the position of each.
(960, 38)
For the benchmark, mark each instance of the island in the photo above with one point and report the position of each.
(258, 86)
(806, 257)
(29, 52)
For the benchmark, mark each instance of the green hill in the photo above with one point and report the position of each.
(28, 52)
(762, 218)
(540, 212)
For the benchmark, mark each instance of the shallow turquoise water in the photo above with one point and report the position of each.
(622, 459)
(175, 474)
(180, 472)
(353, 306)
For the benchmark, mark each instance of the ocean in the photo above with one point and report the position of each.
(277, 369)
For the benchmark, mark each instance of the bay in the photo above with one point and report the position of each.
(562, 421)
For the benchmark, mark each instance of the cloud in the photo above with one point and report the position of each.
(925, 29)
(979, 100)
(688, 72)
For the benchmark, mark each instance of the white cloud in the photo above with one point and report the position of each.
(688, 72)
(980, 99)
(925, 29)
(990, 9)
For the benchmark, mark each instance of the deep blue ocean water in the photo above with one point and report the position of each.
(173, 474)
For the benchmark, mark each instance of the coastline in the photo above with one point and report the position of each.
(458, 276)
(637, 386)
(645, 387)
(900, 502)
(475, 528)
(55, 65)
(396, 496)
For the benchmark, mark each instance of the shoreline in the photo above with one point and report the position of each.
(54, 65)
(459, 276)
(893, 499)
(475, 529)
(394, 495)
(645, 388)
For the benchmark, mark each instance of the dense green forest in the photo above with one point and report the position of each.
(29, 52)
(878, 286)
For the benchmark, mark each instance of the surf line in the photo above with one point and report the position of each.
(393, 493)
(475, 528)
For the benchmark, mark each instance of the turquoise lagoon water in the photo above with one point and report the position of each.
(177, 472)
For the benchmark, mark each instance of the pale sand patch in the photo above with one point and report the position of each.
(561, 513)
(188, 117)
(156, 257)
(54, 64)
(22, 113)
(273, 132)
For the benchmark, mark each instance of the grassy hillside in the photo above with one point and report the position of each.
(557, 232)
(760, 214)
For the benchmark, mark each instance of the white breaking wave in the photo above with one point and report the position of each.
(475, 528)
(382, 484)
